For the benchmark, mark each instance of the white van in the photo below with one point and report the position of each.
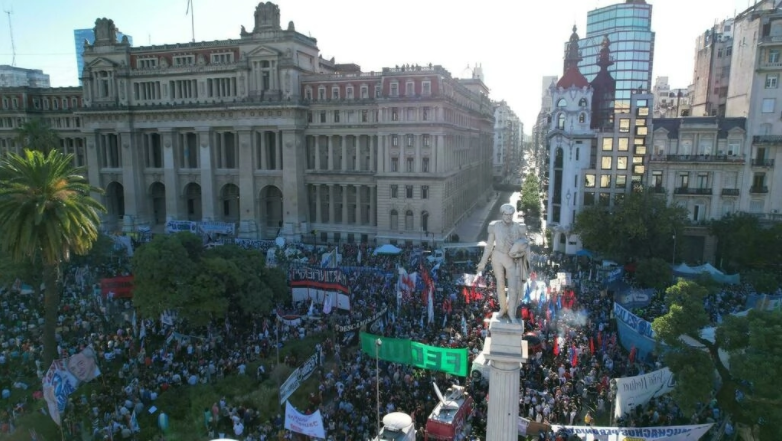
(481, 367)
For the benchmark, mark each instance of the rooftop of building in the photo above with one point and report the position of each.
(723, 125)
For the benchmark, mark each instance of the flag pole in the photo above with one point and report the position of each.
(191, 11)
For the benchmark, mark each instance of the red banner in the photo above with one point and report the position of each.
(118, 287)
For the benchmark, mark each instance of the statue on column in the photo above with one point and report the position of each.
(509, 249)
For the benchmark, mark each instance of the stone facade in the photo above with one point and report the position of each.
(262, 132)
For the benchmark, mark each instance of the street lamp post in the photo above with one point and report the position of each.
(378, 343)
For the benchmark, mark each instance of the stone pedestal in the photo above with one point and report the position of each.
(505, 353)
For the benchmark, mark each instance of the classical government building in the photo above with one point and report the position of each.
(262, 133)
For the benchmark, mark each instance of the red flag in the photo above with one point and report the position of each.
(632, 355)
(600, 339)
(556, 348)
(574, 361)
(466, 295)
(591, 345)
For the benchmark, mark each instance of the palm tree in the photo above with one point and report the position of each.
(36, 134)
(46, 212)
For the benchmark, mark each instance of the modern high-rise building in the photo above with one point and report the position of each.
(628, 27)
(12, 76)
(711, 73)
(79, 36)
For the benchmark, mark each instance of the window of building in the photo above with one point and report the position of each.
(410, 165)
(561, 121)
(605, 181)
(184, 60)
(768, 105)
(394, 114)
(729, 49)
(427, 140)
(409, 220)
(624, 125)
(36, 103)
(604, 199)
(425, 165)
(773, 56)
(582, 102)
(308, 93)
(378, 91)
(395, 164)
(409, 88)
(65, 103)
(146, 63)
(424, 192)
(410, 140)
(349, 92)
(734, 147)
(364, 92)
(394, 140)
(605, 163)
(772, 80)
(394, 220)
(224, 58)
(426, 88)
(684, 180)
(336, 116)
(409, 191)
(15, 103)
(641, 130)
(582, 117)
(321, 93)
(394, 191)
(608, 144)
(589, 180)
(364, 116)
(335, 93)
(221, 87)
(620, 181)
(5, 103)
(621, 163)
(425, 115)
(323, 116)
(309, 116)
(561, 103)
(394, 89)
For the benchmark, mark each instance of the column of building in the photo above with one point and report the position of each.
(207, 178)
(170, 178)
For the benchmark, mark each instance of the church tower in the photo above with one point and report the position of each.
(570, 138)
(604, 86)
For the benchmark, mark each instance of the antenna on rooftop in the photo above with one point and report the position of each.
(11, 30)
(191, 11)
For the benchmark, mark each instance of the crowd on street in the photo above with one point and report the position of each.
(568, 383)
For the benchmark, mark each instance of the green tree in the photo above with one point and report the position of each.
(642, 225)
(744, 243)
(763, 281)
(176, 272)
(654, 273)
(530, 195)
(36, 134)
(46, 213)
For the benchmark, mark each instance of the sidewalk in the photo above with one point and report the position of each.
(472, 226)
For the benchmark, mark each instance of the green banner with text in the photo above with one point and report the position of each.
(404, 351)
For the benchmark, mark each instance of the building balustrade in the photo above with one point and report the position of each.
(730, 192)
(762, 162)
(658, 189)
(697, 158)
(767, 140)
(692, 191)
(758, 189)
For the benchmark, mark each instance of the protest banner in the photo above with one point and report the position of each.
(117, 287)
(404, 351)
(300, 375)
(310, 283)
(226, 228)
(667, 433)
(64, 376)
(175, 226)
(638, 390)
(309, 425)
(353, 326)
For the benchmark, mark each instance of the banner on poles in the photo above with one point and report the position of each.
(638, 390)
(309, 425)
(353, 326)
(668, 433)
(175, 226)
(300, 375)
(404, 351)
(117, 287)
(637, 323)
(64, 376)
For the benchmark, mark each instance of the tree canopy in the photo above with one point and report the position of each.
(642, 225)
(36, 134)
(654, 273)
(752, 342)
(530, 195)
(176, 272)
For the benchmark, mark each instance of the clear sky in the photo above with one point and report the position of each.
(516, 41)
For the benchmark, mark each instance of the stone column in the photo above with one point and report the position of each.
(331, 203)
(331, 153)
(505, 353)
(318, 206)
(344, 145)
(317, 152)
(294, 202)
(373, 205)
(440, 154)
(417, 160)
(359, 207)
(93, 163)
(170, 175)
(132, 182)
(246, 179)
(207, 177)
(262, 149)
(344, 204)
(280, 162)
(371, 147)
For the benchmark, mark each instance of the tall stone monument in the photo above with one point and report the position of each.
(504, 351)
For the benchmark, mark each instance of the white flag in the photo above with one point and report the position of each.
(430, 307)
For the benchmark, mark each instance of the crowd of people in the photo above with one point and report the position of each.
(568, 383)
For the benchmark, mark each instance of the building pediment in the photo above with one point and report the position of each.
(101, 62)
(263, 51)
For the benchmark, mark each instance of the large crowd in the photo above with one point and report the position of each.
(568, 383)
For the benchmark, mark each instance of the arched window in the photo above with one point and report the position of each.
(409, 220)
(582, 102)
(561, 102)
(394, 220)
(425, 221)
(582, 117)
(561, 121)
(559, 157)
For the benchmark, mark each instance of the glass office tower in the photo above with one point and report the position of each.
(79, 35)
(628, 27)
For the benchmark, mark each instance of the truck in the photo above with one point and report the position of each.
(448, 420)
